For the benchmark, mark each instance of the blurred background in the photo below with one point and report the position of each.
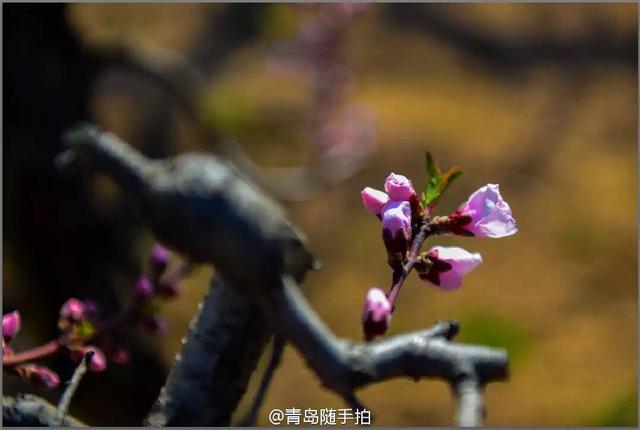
(318, 102)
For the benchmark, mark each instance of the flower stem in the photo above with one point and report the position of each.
(33, 353)
(400, 275)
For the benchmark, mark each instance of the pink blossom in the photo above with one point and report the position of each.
(396, 217)
(154, 325)
(73, 310)
(399, 187)
(169, 289)
(144, 287)
(159, 259)
(449, 264)
(40, 376)
(97, 363)
(485, 214)
(396, 228)
(376, 314)
(10, 325)
(374, 200)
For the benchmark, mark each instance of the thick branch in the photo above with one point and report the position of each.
(470, 406)
(213, 368)
(343, 366)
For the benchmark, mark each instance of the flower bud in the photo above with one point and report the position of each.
(448, 265)
(484, 214)
(376, 313)
(374, 200)
(399, 187)
(155, 325)
(72, 310)
(169, 288)
(117, 354)
(396, 229)
(144, 288)
(158, 259)
(10, 325)
(97, 362)
(39, 376)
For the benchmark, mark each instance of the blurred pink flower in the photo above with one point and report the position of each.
(144, 287)
(449, 266)
(40, 376)
(73, 310)
(376, 314)
(485, 214)
(399, 187)
(374, 200)
(10, 325)
(159, 259)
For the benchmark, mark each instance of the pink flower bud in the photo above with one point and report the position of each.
(154, 325)
(91, 308)
(376, 313)
(485, 214)
(169, 289)
(97, 363)
(40, 376)
(159, 259)
(117, 354)
(144, 288)
(396, 228)
(399, 187)
(73, 310)
(374, 200)
(449, 264)
(10, 325)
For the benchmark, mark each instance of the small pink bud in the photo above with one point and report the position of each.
(6, 350)
(73, 310)
(91, 308)
(376, 313)
(399, 187)
(374, 200)
(118, 354)
(40, 376)
(485, 214)
(449, 264)
(154, 325)
(97, 363)
(169, 289)
(396, 228)
(159, 259)
(144, 288)
(10, 325)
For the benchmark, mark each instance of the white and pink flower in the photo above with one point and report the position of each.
(376, 313)
(484, 214)
(449, 265)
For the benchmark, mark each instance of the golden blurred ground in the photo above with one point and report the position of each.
(561, 295)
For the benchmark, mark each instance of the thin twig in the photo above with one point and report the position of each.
(65, 401)
(276, 354)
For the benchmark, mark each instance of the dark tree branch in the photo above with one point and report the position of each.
(223, 219)
(32, 411)
(276, 355)
(211, 372)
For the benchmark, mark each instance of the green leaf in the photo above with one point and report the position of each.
(437, 182)
(85, 329)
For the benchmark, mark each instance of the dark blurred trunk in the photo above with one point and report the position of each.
(54, 237)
